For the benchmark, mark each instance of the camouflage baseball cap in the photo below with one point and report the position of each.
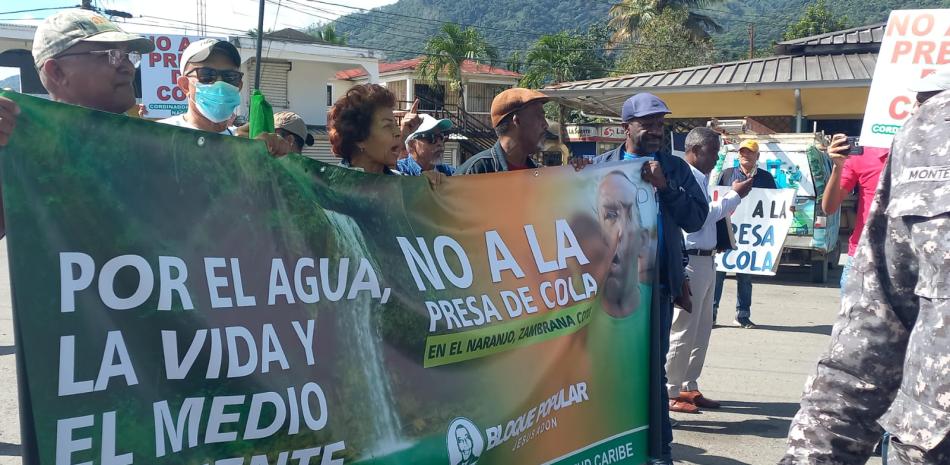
(293, 123)
(61, 31)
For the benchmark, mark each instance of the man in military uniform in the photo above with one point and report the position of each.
(889, 360)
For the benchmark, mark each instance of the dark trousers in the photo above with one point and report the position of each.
(666, 322)
(743, 294)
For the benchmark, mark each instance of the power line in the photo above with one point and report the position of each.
(354, 24)
(241, 33)
(732, 16)
(368, 11)
(388, 26)
(37, 9)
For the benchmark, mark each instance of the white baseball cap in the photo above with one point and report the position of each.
(934, 82)
(428, 125)
(200, 50)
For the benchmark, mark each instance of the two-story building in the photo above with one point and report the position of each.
(480, 84)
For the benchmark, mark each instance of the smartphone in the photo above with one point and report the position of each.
(854, 146)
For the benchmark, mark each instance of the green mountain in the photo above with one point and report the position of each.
(401, 29)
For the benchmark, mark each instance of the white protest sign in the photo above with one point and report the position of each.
(760, 225)
(160, 70)
(916, 43)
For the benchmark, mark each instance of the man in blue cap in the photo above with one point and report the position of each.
(683, 207)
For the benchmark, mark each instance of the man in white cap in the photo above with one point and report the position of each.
(426, 146)
(293, 129)
(212, 80)
(82, 59)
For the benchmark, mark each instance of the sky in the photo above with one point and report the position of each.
(179, 16)
(235, 14)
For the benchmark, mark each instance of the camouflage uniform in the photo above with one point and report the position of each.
(889, 359)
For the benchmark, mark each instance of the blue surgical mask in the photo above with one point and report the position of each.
(217, 101)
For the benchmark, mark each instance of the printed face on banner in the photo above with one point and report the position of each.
(914, 46)
(464, 442)
(341, 316)
(618, 211)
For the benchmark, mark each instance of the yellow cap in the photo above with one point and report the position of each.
(749, 144)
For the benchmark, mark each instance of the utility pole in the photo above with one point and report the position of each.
(751, 40)
(260, 43)
(87, 5)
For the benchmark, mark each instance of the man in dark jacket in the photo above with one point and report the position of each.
(748, 167)
(518, 118)
(682, 206)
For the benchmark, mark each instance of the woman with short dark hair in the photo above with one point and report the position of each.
(364, 131)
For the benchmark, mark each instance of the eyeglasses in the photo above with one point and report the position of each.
(116, 56)
(210, 75)
(432, 138)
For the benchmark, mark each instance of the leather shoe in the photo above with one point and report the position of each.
(681, 406)
(698, 399)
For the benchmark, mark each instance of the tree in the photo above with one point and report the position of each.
(329, 35)
(627, 17)
(445, 52)
(566, 57)
(816, 19)
(667, 43)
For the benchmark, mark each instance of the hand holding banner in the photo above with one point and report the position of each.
(760, 226)
(217, 306)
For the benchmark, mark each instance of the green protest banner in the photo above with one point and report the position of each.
(183, 298)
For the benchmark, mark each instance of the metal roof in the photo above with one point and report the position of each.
(789, 72)
(855, 40)
(859, 35)
(605, 96)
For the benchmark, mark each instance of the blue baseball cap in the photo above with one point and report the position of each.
(644, 104)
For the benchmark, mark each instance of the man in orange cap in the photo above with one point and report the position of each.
(748, 168)
(518, 118)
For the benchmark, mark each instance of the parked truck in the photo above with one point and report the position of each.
(797, 161)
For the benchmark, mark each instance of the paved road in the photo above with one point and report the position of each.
(9, 413)
(758, 374)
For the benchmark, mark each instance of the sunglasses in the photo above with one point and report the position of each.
(432, 138)
(116, 56)
(211, 75)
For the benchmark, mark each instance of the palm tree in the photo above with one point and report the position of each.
(446, 51)
(328, 34)
(627, 16)
(565, 57)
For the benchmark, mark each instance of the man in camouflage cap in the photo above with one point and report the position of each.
(889, 360)
(82, 59)
(293, 129)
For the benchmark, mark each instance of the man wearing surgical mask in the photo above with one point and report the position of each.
(211, 77)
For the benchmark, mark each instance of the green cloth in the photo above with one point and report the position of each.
(262, 115)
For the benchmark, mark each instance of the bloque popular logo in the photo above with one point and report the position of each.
(464, 442)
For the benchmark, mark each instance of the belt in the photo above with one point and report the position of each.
(700, 253)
